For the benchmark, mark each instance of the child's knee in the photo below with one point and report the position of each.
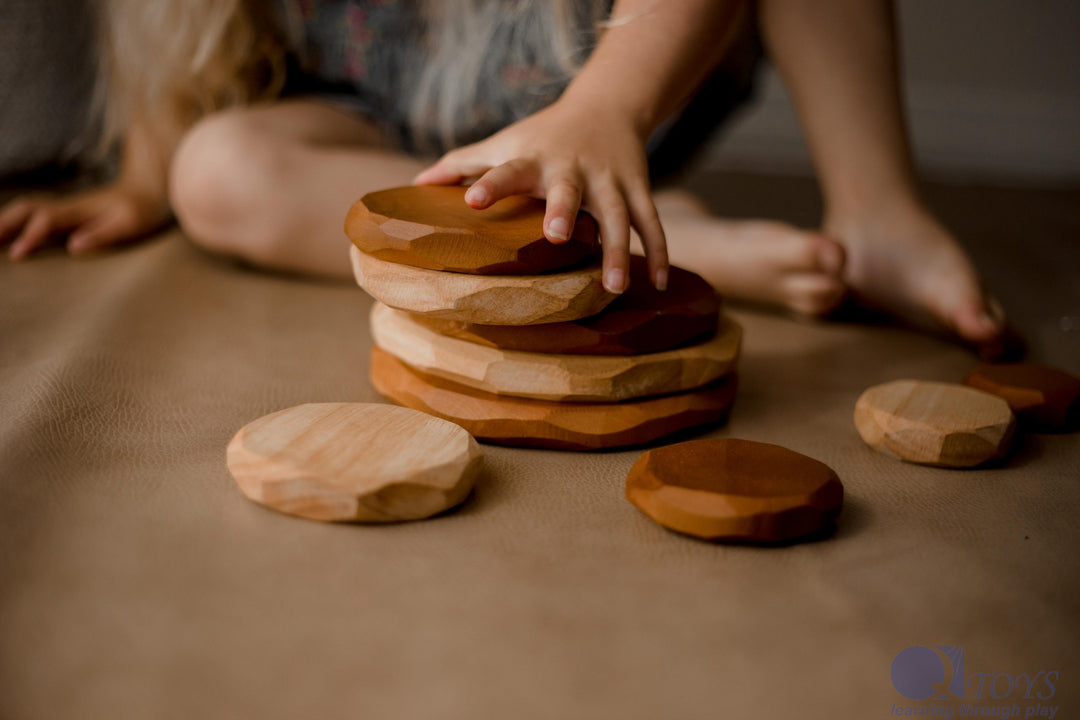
(220, 184)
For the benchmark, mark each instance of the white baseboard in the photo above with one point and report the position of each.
(960, 135)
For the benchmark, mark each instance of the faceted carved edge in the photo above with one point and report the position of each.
(578, 378)
(487, 299)
(519, 422)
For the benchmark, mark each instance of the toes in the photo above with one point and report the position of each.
(829, 255)
(973, 322)
(798, 251)
(813, 294)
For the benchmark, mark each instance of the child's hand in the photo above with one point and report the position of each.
(575, 158)
(90, 220)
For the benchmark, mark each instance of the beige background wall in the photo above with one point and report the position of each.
(993, 91)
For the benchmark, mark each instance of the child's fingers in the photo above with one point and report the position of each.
(99, 232)
(516, 177)
(34, 233)
(13, 217)
(645, 219)
(438, 174)
(614, 223)
(452, 168)
(563, 203)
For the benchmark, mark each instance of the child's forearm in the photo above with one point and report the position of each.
(653, 57)
(587, 150)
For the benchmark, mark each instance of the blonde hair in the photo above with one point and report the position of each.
(170, 62)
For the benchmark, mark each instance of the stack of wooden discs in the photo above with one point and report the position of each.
(483, 321)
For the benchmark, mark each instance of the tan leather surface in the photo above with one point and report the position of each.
(137, 582)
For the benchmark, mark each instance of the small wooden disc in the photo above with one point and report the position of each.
(1043, 398)
(735, 490)
(432, 227)
(934, 423)
(559, 426)
(354, 461)
(580, 378)
(490, 299)
(641, 320)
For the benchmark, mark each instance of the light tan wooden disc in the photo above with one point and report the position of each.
(484, 299)
(578, 378)
(935, 423)
(354, 462)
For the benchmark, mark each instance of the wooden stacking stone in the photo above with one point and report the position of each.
(1043, 398)
(482, 321)
(935, 423)
(354, 462)
(489, 299)
(537, 423)
(432, 227)
(735, 490)
(579, 378)
(641, 320)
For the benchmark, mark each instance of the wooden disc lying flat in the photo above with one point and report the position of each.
(559, 426)
(490, 299)
(432, 227)
(354, 461)
(641, 320)
(1043, 398)
(934, 423)
(580, 378)
(735, 490)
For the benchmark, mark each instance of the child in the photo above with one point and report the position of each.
(543, 98)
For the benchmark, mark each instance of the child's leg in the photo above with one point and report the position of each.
(838, 59)
(760, 261)
(272, 184)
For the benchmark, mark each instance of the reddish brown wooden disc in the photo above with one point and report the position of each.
(432, 227)
(1042, 397)
(735, 490)
(642, 320)
(543, 424)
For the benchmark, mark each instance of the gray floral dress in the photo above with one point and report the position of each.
(373, 54)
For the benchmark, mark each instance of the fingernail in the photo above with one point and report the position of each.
(476, 195)
(660, 281)
(559, 228)
(987, 321)
(997, 312)
(614, 280)
(831, 258)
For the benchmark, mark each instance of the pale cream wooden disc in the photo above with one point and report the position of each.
(578, 378)
(354, 462)
(483, 299)
(934, 423)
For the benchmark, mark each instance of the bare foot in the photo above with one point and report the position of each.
(901, 260)
(758, 261)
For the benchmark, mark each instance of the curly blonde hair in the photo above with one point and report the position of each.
(170, 62)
